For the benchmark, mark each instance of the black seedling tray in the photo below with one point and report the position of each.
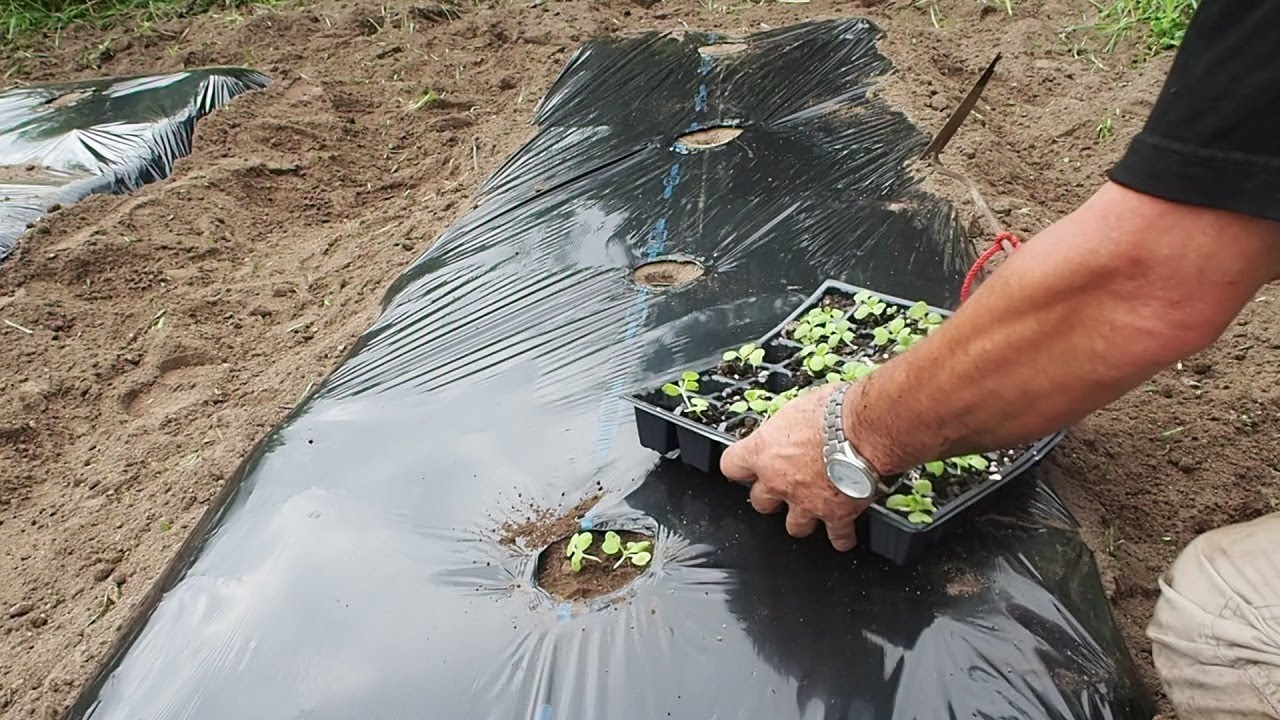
(886, 532)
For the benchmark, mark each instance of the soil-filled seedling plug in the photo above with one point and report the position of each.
(577, 550)
(918, 505)
(748, 355)
(684, 388)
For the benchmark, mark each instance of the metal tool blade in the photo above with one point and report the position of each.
(961, 112)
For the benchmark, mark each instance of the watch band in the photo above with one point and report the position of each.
(833, 423)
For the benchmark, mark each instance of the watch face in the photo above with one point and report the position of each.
(849, 479)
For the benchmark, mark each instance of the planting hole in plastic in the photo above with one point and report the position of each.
(721, 49)
(666, 273)
(607, 574)
(707, 138)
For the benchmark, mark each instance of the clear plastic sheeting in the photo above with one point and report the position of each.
(64, 141)
(355, 568)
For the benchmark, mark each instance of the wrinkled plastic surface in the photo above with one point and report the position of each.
(61, 142)
(355, 570)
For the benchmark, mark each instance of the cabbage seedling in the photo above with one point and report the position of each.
(868, 304)
(685, 389)
(755, 400)
(577, 550)
(925, 319)
(635, 552)
(918, 505)
(819, 358)
(748, 355)
(969, 462)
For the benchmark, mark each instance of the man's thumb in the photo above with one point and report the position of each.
(736, 463)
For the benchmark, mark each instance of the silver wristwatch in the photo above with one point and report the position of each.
(846, 469)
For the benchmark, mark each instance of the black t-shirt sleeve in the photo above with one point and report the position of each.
(1213, 138)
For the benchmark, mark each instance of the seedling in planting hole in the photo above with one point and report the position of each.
(819, 358)
(925, 319)
(748, 355)
(635, 552)
(868, 304)
(577, 550)
(684, 388)
(918, 505)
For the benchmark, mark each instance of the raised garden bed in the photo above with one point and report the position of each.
(841, 332)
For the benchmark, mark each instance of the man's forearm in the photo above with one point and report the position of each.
(1094, 306)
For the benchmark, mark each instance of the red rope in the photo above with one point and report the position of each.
(997, 246)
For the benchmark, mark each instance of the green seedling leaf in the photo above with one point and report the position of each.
(815, 364)
(739, 407)
(689, 376)
(861, 312)
(575, 562)
(918, 311)
(922, 487)
(896, 325)
(760, 406)
(729, 356)
(977, 462)
(935, 468)
(612, 543)
(880, 337)
(633, 547)
(641, 558)
(933, 318)
(671, 390)
(919, 518)
(898, 502)
(756, 357)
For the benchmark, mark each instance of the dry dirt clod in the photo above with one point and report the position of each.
(20, 609)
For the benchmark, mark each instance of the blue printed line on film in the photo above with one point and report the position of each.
(544, 712)
(564, 611)
(669, 184)
(655, 245)
(586, 523)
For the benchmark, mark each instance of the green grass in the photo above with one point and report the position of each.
(1163, 22)
(22, 20)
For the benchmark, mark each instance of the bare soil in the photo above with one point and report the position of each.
(557, 577)
(173, 327)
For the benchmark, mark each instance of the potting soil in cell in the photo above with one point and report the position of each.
(355, 569)
(61, 142)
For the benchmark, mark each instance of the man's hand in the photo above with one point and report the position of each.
(782, 462)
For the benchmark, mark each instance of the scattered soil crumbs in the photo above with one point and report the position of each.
(545, 526)
(965, 583)
(596, 578)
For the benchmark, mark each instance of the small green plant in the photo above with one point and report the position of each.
(748, 355)
(867, 305)
(1105, 130)
(816, 324)
(969, 462)
(917, 505)
(855, 370)
(819, 358)
(577, 550)
(755, 400)
(840, 333)
(896, 331)
(636, 552)
(926, 320)
(686, 388)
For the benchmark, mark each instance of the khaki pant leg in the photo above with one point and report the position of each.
(1216, 630)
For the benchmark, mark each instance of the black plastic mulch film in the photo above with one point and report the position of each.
(62, 142)
(355, 570)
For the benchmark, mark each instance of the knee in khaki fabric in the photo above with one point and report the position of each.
(1215, 634)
